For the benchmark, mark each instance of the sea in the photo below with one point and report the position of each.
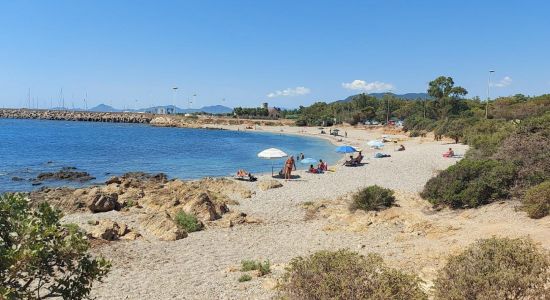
(31, 147)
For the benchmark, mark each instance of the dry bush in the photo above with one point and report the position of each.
(496, 268)
(537, 200)
(347, 275)
(372, 198)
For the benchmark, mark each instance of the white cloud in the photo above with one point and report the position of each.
(504, 82)
(297, 91)
(375, 86)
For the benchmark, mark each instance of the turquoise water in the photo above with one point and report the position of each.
(29, 147)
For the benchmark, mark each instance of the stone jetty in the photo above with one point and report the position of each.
(65, 115)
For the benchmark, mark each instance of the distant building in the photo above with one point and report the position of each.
(163, 110)
(274, 112)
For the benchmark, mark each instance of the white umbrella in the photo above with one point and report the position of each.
(375, 144)
(272, 153)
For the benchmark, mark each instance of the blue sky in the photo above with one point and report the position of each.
(285, 52)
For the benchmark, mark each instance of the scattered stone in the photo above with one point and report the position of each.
(103, 202)
(108, 230)
(269, 184)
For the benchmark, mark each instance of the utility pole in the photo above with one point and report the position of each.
(388, 107)
(488, 88)
(174, 99)
(86, 101)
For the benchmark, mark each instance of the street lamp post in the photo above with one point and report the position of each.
(174, 100)
(488, 90)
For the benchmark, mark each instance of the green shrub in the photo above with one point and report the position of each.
(485, 136)
(537, 200)
(470, 183)
(245, 277)
(529, 149)
(250, 265)
(372, 198)
(264, 268)
(418, 133)
(188, 222)
(39, 257)
(347, 275)
(496, 268)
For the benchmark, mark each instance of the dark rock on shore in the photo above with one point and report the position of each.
(103, 202)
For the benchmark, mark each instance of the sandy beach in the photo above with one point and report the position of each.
(308, 214)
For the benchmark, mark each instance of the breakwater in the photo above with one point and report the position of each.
(64, 115)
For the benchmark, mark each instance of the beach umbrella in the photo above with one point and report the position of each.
(345, 149)
(375, 144)
(272, 153)
(308, 161)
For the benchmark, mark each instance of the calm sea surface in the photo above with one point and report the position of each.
(29, 147)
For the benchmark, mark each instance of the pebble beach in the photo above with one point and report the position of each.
(411, 236)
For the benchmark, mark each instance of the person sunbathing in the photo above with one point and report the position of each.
(359, 158)
(401, 148)
(322, 165)
(242, 174)
(449, 153)
(313, 170)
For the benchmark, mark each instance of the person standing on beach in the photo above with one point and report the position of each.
(290, 164)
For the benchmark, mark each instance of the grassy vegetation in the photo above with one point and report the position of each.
(245, 277)
(264, 268)
(372, 198)
(188, 222)
(347, 275)
(496, 268)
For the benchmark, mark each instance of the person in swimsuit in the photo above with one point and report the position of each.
(290, 164)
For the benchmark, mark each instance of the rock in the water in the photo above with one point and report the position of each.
(269, 184)
(109, 230)
(17, 178)
(66, 173)
(113, 179)
(163, 227)
(103, 202)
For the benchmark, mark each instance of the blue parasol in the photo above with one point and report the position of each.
(345, 149)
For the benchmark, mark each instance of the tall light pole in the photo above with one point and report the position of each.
(488, 90)
(388, 107)
(174, 99)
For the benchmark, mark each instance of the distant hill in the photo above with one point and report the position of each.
(407, 96)
(103, 108)
(214, 109)
(217, 109)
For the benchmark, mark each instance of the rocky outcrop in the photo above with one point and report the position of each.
(163, 227)
(269, 184)
(151, 201)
